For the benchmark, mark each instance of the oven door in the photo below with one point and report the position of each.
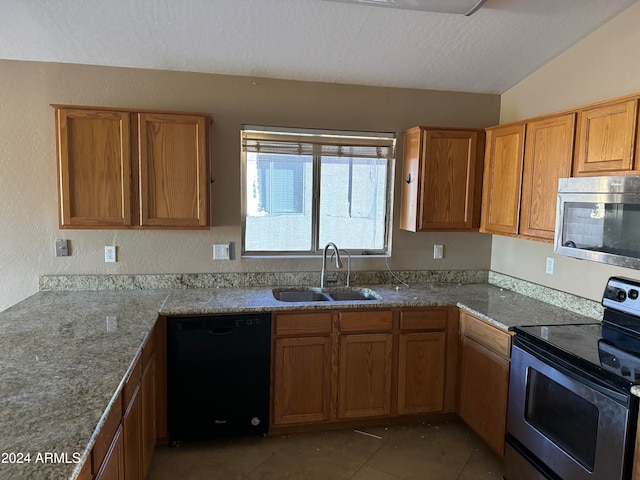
(570, 424)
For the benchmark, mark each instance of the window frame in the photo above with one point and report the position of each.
(316, 249)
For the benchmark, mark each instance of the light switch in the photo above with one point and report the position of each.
(62, 248)
(221, 251)
(438, 251)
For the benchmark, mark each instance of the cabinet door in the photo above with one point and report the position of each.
(605, 140)
(148, 395)
(94, 168)
(364, 375)
(174, 170)
(113, 466)
(484, 384)
(421, 372)
(452, 180)
(442, 179)
(132, 441)
(302, 376)
(502, 179)
(547, 157)
(411, 180)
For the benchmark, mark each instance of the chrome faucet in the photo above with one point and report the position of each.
(324, 261)
(348, 265)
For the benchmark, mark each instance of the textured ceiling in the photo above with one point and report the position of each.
(313, 40)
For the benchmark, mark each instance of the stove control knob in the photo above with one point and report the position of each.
(621, 295)
(633, 294)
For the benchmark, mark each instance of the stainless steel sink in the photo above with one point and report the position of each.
(354, 294)
(338, 294)
(300, 296)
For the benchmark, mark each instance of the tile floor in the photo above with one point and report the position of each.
(444, 451)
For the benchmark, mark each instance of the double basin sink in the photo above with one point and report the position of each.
(338, 294)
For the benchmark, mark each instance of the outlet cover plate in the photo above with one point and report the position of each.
(110, 254)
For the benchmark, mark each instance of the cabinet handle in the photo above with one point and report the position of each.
(408, 180)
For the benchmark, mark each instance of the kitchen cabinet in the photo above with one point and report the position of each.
(502, 179)
(148, 404)
(422, 361)
(301, 368)
(107, 455)
(606, 138)
(119, 168)
(548, 157)
(484, 379)
(113, 465)
(353, 365)
(132, 424)
(365, 364)
(442, 179)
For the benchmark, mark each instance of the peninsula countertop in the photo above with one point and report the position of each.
(64, 355)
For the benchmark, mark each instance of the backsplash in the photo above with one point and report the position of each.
(252, 279)
(568, 301)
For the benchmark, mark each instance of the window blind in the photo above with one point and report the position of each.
(318, 142)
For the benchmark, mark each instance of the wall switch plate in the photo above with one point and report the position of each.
(549, 266)
(62, 248)
(221, 251)
(110, 254)
(438, 251)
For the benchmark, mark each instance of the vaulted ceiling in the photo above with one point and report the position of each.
(313, 40)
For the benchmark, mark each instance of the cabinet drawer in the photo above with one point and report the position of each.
(485, 334)
(433, 319)
(369, 321)
(106, 435)
(301, 324)
(131, 383)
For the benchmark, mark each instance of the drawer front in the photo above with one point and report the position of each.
(106, 435)
(485, 334)
(132, 382)
(366, 321)
(432, 319)
(303, 323)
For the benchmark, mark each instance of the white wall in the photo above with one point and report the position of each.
(603, 65)
(28, 198)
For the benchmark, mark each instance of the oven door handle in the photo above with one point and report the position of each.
(572, 371)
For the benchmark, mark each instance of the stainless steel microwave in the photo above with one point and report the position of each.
(598, 219)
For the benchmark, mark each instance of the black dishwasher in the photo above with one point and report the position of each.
(218, 376)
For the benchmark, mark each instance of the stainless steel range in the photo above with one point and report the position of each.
(571, 414)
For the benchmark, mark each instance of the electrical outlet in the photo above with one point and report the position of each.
(110, 254)
(221, 251)
(438, 251)
(549, 266)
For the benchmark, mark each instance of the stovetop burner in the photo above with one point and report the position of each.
(609, 349)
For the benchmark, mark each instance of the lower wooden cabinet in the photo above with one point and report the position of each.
(421, 372)
(125, 443)
(148, 413)
(484, 379)
(364, 367)
(112, 467)
(302, 376)
(363, 364)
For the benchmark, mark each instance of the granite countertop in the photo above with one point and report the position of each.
(64, 355)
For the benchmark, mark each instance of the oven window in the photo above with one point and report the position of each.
(602, 227)
(563, 417)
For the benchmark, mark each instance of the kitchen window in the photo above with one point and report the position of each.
(303, 188)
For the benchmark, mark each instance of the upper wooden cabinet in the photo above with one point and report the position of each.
(502, 179)
(442, 179)
(94, 168)
(548, 157)
(606, 138)
(132, 169)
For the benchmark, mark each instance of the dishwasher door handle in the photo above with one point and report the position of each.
(220, 331)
